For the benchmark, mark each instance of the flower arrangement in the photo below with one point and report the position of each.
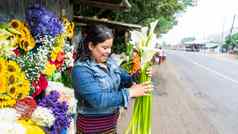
(8, 40)
(25, 107)
(59, 109)
(68, 56)
(8, 115)
(43, 117)
(6, 101)
(25, 39)
(141, 118)
(69, 28)
(30, 127)
(66, 95)
(28, 59)
(43, 22)
(13, 82)
(33, 63)
(8, 124)
(12, 128)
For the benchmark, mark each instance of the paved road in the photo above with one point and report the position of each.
(195, 94)
(214, 82)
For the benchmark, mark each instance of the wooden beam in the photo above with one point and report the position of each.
(115, 24)
(123, 6)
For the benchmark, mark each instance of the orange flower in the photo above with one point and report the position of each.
(136, 62)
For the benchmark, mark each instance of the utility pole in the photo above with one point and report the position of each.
(232, 26)
(222, 33)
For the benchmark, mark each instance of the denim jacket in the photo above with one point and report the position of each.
(100, 91)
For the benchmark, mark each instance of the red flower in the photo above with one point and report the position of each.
(60, 56)
(17, 52)
(39, 85)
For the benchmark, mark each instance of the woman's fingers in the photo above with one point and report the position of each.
(140, 89)
(147, 87)
(149, 71)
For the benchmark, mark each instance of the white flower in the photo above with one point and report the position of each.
(8, 115)
(54, 86)
(146, 41)
(43, 117)
(11, 128)
(147, 55)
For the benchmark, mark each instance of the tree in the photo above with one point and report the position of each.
(231, 41)
(143, 12)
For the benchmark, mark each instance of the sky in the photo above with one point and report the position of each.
(209, 17)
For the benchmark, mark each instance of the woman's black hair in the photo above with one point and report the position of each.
(95, 34)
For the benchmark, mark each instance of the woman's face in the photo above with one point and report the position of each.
(101, 51)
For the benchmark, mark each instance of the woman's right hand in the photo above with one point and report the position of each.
(142, 89)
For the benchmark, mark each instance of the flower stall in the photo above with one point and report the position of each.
(34, 55)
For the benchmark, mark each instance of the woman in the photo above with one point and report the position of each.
(100, 85)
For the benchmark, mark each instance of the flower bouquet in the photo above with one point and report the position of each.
(140, 122)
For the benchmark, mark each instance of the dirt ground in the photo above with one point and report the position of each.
(175, 111)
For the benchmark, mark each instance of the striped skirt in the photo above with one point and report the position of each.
(97, 124)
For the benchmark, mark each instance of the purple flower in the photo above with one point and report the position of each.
(59, 109)
(43, 22)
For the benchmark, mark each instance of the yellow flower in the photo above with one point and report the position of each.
(6, 101)
(25, 32)
(2, 66)
(69, 28)
(59, 41)
(12, 91)
(55, 52)
(26, 44)
(3, 85)
(30, 127)
(26, 41)
(49, 69)
(12, 67)
(23, 89)
(22, 86)
(3, 80)
(14, 41)
(12, 78)
(13, 81)
(17, 24)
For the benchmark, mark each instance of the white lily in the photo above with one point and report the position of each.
(141, 119)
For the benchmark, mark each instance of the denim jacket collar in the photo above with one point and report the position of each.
(91, 62)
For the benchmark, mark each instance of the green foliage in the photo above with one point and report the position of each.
(165, 24)
(127, 64)
(142, 12)
(119, 44)
(231, 41)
